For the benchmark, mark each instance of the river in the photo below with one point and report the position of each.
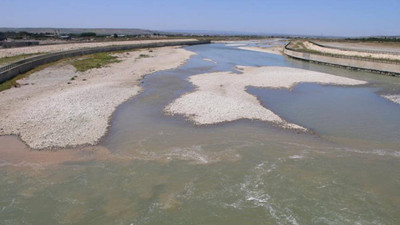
(166, 170)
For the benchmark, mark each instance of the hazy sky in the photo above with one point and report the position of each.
(313, 17)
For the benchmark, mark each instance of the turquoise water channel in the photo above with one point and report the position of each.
(346, 171)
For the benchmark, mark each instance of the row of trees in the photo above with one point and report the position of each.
(378, 39)
(27, 35)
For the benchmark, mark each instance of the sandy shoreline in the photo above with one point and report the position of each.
(48, 112)
(7, 52)
(221, 96)
(277, 50)
(209, 60)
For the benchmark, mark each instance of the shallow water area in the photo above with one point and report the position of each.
(353, 113)
(160, 169)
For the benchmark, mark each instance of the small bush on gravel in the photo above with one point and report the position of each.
(94, 61)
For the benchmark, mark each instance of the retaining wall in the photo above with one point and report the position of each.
(392, 68)
(10, 71)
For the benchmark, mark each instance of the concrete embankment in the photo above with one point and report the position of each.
(10, 71)
(386, 67)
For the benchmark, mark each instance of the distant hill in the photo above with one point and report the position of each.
(238, 33)
(99, 31)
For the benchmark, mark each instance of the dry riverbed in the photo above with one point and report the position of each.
(60, 107)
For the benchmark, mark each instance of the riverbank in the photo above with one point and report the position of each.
(385, 63)
(40, 49)
(307, 45)
(366, 46)
(59, 107)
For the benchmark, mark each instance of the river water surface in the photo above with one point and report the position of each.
(162, 169)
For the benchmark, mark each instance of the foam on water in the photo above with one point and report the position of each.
(296, 157)
(253, 194)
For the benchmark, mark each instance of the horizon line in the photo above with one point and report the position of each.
(256, 33)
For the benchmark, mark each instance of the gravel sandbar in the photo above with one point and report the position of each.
(53, 109)
(393, 98)
(222, 96)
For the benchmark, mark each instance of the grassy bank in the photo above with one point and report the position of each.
(94, 61)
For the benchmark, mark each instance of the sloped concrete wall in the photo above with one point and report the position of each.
(370, 65)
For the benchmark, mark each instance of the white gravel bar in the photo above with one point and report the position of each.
(393, 98)
(51, 109)
(222, 96)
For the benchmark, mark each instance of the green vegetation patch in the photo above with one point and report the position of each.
(10, 59)
(94, 61)
(144, 56)
(297, 45)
